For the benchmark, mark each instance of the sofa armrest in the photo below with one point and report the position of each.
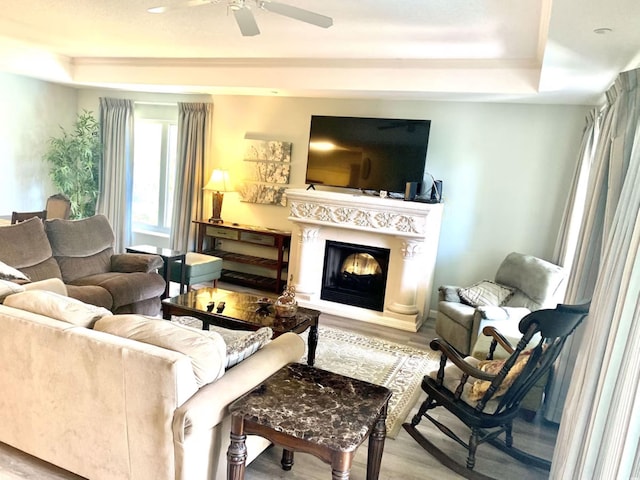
(448, 293)
(135, 262)
(207, 408)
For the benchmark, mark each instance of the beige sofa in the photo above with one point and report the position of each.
(107, 407)
(80, 252)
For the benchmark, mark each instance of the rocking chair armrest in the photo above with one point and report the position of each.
(491, 331)
(452, 355)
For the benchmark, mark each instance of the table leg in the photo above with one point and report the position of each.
(237, 452)
(183, 269)
(341, 465)
(312, 344)
(287, 459)
(376, 446)
(167, 276)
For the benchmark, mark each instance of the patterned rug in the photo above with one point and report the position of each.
(398, 367)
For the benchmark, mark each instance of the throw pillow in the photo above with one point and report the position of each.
(54, 305)
(12, 274)
(479, 387)
(485, 293)
(241, 344)
(206, 350)
(8, 288)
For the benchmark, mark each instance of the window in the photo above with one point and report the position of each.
(154, 168)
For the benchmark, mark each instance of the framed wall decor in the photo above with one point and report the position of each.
(267, 170)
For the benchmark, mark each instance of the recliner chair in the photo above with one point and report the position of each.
(529, 283)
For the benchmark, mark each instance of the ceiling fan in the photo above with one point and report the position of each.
(244, 16)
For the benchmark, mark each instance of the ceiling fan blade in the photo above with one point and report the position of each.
(246, 22)
(188, 3)
(298, 14)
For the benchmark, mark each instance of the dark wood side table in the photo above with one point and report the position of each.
(305, 409)
(241, 311)
(168, 257)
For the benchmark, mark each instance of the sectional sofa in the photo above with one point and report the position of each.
(120, 396)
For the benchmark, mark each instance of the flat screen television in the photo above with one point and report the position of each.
(367, 153)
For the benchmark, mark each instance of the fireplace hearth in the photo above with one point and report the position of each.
(355, 275)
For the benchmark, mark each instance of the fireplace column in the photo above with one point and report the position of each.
(308, 236)
(405, 301)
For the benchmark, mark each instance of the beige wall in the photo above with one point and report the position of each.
(506, 167)
(31, 112)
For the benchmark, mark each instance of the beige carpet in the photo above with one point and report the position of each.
(395, 366)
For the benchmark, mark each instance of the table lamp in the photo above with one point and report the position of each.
(218, 184)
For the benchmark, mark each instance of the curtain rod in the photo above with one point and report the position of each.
(156, 103)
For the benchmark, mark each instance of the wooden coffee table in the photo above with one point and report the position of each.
(242, 312)
(305, 409)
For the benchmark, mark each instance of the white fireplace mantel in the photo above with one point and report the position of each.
(410, 230)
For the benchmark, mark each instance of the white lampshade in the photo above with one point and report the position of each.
(218, 184)
(219, 181)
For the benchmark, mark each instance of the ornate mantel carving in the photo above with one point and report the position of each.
(359, 212)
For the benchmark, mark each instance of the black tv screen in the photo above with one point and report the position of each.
(367, 153)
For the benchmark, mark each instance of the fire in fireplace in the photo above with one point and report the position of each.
(355, 275)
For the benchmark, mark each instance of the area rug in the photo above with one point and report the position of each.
(398, 367)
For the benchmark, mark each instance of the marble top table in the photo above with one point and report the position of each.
(306, 409)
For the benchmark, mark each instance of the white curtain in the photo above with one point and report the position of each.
(195, 121)
(600, 428)
(116, 181)
(579, 246)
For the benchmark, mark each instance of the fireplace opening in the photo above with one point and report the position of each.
(355, 275)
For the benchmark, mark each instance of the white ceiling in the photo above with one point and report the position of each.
(491, 50)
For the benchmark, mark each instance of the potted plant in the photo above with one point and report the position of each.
(75, 158)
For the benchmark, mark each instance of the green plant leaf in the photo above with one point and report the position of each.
(74, 158)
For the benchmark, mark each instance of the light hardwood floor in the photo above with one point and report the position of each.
(403, 458)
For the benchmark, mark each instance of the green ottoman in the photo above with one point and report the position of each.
(198, 268)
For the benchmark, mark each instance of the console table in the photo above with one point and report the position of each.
(269, 252)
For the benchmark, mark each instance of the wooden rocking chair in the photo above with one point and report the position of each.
(486, 395)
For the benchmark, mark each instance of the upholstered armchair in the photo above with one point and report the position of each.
(523, 283)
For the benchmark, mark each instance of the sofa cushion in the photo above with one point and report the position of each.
(92, 294)
(206, 351)
(8, 288)
(11, 274)
(54, 305)
(126, 288)
(485, 293)
(25, 246)
(81, 247)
